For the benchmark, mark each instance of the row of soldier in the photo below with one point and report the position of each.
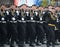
(27, 24)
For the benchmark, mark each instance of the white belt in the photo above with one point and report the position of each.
(3, 21)
(13, 21)
(33, 21)
(21, 21)
(58, 21)
(30, 21)
(39, 21)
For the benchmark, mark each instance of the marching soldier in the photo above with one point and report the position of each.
(58, 22)
(13, 26)
(22, 25)
(27, 26)
(32, 28)
(7, 13)
(30, 25)
(49, 25)
(39, 27)
(3, 23)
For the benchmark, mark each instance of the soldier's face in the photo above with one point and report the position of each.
(34, 7)
(50, 7)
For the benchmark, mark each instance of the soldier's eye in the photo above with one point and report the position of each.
(1, 9)
(12, 9)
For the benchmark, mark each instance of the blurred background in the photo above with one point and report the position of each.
(31, 2)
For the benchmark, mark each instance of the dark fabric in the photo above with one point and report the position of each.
(50, 32)
(3, 30)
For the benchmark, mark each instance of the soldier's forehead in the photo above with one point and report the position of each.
(13, 6)
(57, 8)
(17, 8)
(40, 8)
(34, 7)
(3, 6)
(50, 7)
(23, 7)
(45, 8)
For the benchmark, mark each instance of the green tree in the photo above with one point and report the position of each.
(44, 3)
(52, 2)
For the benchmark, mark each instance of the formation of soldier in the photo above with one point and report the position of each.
(32, 25)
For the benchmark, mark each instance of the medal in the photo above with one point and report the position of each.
(13, 18)
(2, 19)
(40, 18)
(23, 19)
(31, 18)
